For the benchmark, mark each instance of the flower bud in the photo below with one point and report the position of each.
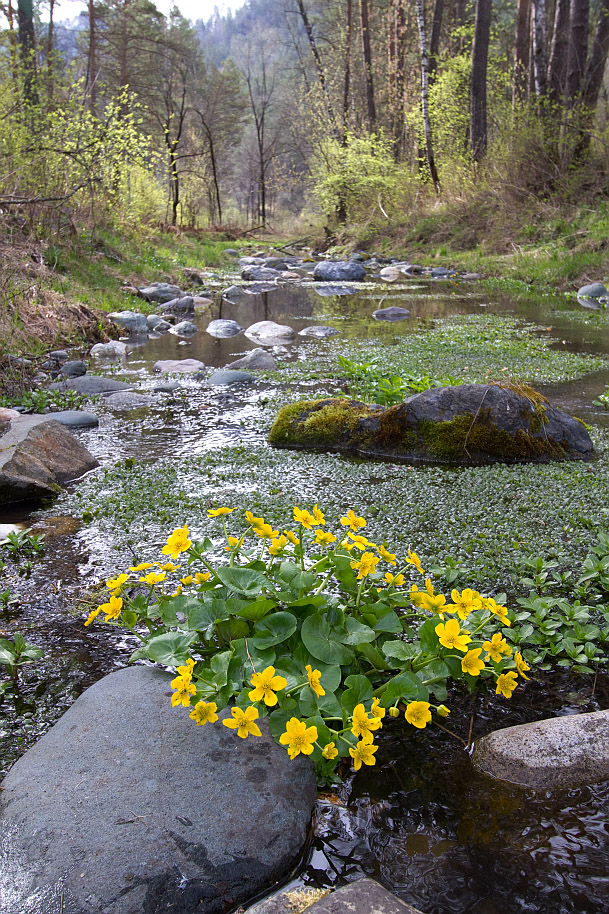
(394, 712)
(442, 711)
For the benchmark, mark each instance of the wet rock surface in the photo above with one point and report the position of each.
(178, 366)
(225, 377)
(38, 456)
(162, 815)
(255, 360)
(392, 314)
(91, 385)
(559, 752)
(224, 329)
(471, 424)
(269, 332)
(339, 271)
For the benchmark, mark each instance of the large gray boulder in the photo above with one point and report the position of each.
(259, 274)
(113, 350)
(268, 333)
(339, 271)
(160, 292)
(178, 366)
(126, 806)
(471, 424)
(594, 290)
(91, 385)
(130, 321)
(38, 456)
(224, 329)
(560, 752)
(255, 360)
(180, 307)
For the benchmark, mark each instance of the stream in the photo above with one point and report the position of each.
(422, 822)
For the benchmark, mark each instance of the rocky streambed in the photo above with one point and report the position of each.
(423, 821)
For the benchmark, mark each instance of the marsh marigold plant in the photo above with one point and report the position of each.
(326, 634)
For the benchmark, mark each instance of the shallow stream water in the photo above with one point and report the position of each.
(421, 821)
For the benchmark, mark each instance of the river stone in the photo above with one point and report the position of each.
(59, 355)
(390, 274)
(594, 290)
(157, 323)
(233, 293)
(560, 752)
(468, 425)
(131, 321)
(339, 271)
(166, 387)
(329, 289)
(180, 307)
(184, 328)
(126, 399)
(91, 385)
(411, 269)
(75, 418)
(442, 273)
(224, 377)
(391, 314)
(364, 896)
(157, 813)
(224, 329)
(178, 366)
(160, 292)
(319, 332)
(74, 369)
(231, 252)
(259, 274)
(115, 349)
(255, 360)
(37, 457)
(268, 333)
(275, 263)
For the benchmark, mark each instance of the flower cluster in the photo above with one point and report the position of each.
(323, 633)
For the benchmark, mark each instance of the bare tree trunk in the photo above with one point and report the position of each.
(50, 50)
(578, 48)
(365, 30)
(557, 68)
(425, 95)
(478, 129)
(318, 64)
(434, 42)
(539, 48)
(521, 55)
(347, 83)
(598, 59)
(91, 82)
(400, 46)
(27, 43)
(13, 43)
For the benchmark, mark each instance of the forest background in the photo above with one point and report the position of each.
(458, 127)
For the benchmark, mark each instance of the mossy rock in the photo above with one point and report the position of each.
(471, 424)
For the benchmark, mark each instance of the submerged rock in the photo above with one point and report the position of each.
(339, 271)
(178, 366)
(184, 328)
(329, 289)
(180, 307)
(391, 314)
(318, 332)
(255, 360)
(594, 290)
(91, 385)
(560, 752)
(75, 418)
(37, 457)
(143, 811)
(472, 424)
(228, 377)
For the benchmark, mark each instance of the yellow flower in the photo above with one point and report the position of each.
(466, 602)
(363, 753)
(418, 714)
(113, 608)
(265, 531)
(177, 542)
(153, 578)
(202, 576)
(204, 712)
(396, 579)
(501, 611)
(168, 566)
(292, 537)
(314, 677)
(413, 559)
(305, 518)
(93, 615)
(415, 595)
(496, 648)
(243, 722)
(352, 520)
(442, 711)
(324, 537)
(358, 542)
(254, 521)
(265, 685)
(377, 710)
(177, 591)
(451, 636)
(233, 542)
(364, 725)
(142, 566)
(394, 712)
(187, 580)
(318, 516)
(117, 583)
(506, 683)
(385, 554)
(521, 665)
(433, 603)
(298, 737)
(329, 751)
(278, 544)
(471, 663)
(186, 670)
(429, 587)
(366, 565)
(218, 512)
(183, 690)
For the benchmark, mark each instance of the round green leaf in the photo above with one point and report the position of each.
(319, 640)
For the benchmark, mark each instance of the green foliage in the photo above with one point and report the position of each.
(13, 654)
(354, 178)
(43, 400)
(367, 383)
(21, 547)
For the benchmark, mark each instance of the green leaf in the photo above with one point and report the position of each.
(274, 629)
(319, 640)
(296, 579)
(129, 619)
(19, 642)
(373, 656)
(219, 664)
(242, 580)
(256, 610)
(170, 648)
(359, 689)
(389, 622)
(249, 654)
(404, 686)
(399, 650)
(356, 632)
(427, 636)
(202, 617)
